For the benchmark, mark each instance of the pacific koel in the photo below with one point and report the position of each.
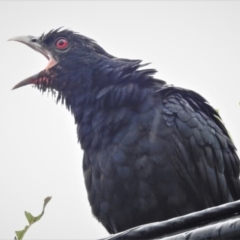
(152, 151)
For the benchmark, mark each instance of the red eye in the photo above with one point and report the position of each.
(61, 43)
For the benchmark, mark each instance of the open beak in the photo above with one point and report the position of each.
(33, 43)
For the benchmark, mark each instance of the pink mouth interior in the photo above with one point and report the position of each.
(51, 63)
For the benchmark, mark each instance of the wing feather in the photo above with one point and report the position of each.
(208, 153)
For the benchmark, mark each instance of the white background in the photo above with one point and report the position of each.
(192, 44)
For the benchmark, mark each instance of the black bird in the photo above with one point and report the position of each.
(152, 151)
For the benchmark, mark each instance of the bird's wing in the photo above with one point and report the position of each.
(206, 154)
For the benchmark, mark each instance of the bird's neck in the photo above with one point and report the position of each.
(111, 88)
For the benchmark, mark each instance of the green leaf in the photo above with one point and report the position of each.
(21, 233)
(29, 217)
(31, 220)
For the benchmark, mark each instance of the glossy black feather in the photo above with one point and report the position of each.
(151, 151)
(162, 154)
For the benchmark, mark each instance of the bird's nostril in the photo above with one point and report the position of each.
(34, 40)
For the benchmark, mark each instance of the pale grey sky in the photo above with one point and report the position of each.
(192, 44)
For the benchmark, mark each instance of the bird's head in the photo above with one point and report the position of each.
(66, 52)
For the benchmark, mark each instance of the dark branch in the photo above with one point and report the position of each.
(214, 223)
